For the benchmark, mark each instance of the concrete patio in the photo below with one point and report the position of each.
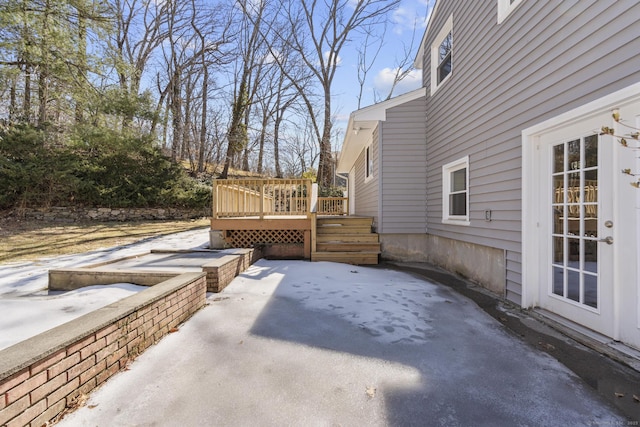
(298, 343)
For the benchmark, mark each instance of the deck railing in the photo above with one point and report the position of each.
(261, 197)
(333, 206)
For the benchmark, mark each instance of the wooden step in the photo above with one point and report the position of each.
(345, 220)
(343, 229)
(347, 247)
(358, 258)
(347, 238)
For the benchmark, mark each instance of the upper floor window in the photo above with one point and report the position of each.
(444, 66)
(505, 7)
(442, 55)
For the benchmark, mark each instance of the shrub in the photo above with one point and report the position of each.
(97, 167)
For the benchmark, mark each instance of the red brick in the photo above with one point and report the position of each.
(83, 389)
(81, 344)
(79, 368)
(63, 365)
(63, 391)
(48, 415)
(48, 387)
(48, 361)
(29, 414)
(106, 331)
(14, 380)
(125, 339)
(26, 387)
(132, 346)
(11, 411)
(93, 371)
(102, 354)
(151, 315)
(114, 336)
(104, 375)
(92, 349)
(134, 324)
(117, 356)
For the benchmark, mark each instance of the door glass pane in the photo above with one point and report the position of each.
(590, 221)
(573, 220)
(573, 285)
(591, 186)
(558, 189)
(558, 220)
(591, 256)
(573, 192)
(558, 158)
(558, 281)
(573, 253)
(573, 155)
(558, 250)
(591, 151)
(591, 290)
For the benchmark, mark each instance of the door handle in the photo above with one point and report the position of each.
(608, 240)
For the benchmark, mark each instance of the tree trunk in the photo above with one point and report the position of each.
(276, 142)
(324, 162)
(176, 112)
(82, 65)
(203, 124)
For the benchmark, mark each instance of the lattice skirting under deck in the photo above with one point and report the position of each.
(251, 238)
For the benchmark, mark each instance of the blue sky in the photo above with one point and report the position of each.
(399, 34)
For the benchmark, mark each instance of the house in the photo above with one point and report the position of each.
(511, 183)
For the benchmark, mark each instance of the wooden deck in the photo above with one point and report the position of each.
(286, 221)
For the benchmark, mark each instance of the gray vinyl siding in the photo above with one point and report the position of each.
(545, 58)
(404, 169)
(367, 193)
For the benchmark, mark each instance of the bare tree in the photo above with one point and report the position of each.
(249, 68)
(364, 62)
(320, 32)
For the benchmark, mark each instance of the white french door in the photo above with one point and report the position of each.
(576, 216)
(581, 217)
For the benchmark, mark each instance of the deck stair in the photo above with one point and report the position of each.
(346, 239)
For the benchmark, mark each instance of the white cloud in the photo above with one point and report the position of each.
(410, 15)
(338, 59)
(383, 81)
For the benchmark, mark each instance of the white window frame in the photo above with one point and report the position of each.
(447, 170)
(435, 55)
(505, 7)
(368, 163)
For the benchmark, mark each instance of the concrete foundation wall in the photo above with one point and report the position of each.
(481, 264)
(40, 378)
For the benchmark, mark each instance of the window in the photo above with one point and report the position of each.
(505, 7)
(442, 56)
(368, 166)
(455, 192)
(444, 53)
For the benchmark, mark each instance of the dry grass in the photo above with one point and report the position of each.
(30, 240)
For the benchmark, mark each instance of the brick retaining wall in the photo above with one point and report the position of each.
(43, 376)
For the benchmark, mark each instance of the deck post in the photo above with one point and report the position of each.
(214, 199)
(314, 231)
(262, 200)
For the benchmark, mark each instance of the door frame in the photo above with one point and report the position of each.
(533, 249)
